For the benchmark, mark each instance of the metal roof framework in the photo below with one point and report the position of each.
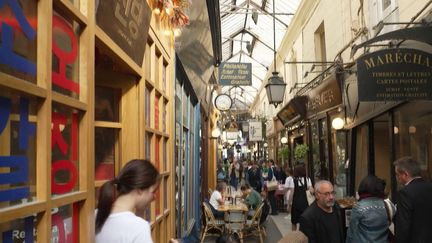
(247, 41)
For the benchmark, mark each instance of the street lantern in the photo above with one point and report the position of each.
(275, 89)
(275, 86)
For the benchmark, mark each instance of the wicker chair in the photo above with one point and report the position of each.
(235, 222)
(210, 222)
(253, 226)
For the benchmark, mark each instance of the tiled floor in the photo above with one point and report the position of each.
(276, 227)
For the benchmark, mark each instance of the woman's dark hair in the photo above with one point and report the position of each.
(373, 186)
(136, 174)
(300, 170)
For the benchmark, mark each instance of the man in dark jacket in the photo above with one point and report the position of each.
(414, 204)
(321, 222)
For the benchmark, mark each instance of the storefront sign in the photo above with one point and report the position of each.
(235, 74)
(255, 131)
(395, 75)
(324, 96)
(296, 107)
(127, 23)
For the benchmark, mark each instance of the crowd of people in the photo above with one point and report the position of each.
(123, 200)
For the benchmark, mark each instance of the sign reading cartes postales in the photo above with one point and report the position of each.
(127, 23)
(235, 74)
(395, 75)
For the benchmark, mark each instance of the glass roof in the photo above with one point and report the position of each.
(247, 36)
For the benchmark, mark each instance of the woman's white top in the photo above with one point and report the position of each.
(124, 227)
(289, 182)
(216, 195)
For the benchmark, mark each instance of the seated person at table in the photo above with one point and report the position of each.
(252, 198)
(217, 199)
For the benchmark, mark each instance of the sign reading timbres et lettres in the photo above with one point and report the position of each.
(395, 75)
(235, 74)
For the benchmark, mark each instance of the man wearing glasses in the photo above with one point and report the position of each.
(321, 222)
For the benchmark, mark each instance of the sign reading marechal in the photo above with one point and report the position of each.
(235, 74)
(395, 75)
(255, 131)
(127, 23)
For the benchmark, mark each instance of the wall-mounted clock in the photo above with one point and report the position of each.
(223, 102)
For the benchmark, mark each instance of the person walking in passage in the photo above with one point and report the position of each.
(321, 222)
(369, 220)
(414, 203)
(300, 185)
(122, 199)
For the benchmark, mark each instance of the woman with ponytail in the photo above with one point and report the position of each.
(122, 199)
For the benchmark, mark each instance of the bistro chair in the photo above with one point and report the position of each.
(211, 224)
(253, 226)
(235, 222)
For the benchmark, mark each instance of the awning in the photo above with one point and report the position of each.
(293, 111)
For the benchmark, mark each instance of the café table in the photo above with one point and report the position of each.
(233, 207)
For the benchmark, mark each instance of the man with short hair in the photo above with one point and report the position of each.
(252, 198)
(321, 222)
(414, 203)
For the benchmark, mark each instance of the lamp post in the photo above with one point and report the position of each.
(275, 87)
(265, 145)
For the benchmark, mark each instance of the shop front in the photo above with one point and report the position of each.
(327, 141)
(388, 110)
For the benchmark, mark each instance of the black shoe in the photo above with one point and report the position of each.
(274, 214)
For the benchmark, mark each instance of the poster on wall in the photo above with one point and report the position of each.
(255, 131)
(126, 23)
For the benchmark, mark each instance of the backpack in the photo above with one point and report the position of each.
(265, 212)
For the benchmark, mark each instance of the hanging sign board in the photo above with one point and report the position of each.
(235, 74)
(255, 131)
(395, 75)
(127, 24)
(324, 96)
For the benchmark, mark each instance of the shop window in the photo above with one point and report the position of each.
(413, 134)
(164, 154)
(156, 112)
(315, 150)
(65, 149)
(106, 104)
(18, 43)
(164, 116)
(164, 76)
(147, 106)
(382, 145)
(148, 138)
(362, 158)
(339, 147)
(321, 165)
(19, 230)
(65, 223)
(105, 152)
(107, 131)
(165, 187)
(18, 148)
(65, 56)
